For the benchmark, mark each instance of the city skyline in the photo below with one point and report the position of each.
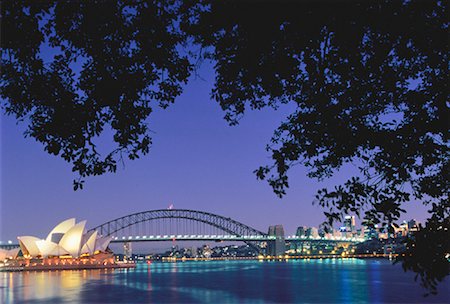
(197, 161)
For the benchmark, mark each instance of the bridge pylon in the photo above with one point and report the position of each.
(278, 245)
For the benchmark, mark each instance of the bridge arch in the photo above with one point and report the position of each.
(225, 224)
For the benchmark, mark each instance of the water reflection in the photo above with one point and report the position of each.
(312, 281)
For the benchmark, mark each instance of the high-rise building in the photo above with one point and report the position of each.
(278, 246)
(321, 231)
(314, 232)
(308, 232)
(301, 231)
(349, 223)
(413, 225)
(127, 250)
(370, 233)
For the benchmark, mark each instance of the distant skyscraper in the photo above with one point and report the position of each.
(127, 250)
(308, 232)
(278, 246)
(321, 232)
(349, 223)
(314, 232)
(370, 233)
(413, 225)
(301, 231)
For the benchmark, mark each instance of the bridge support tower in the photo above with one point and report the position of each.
(277, 246)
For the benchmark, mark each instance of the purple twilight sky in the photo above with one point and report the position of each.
(197, 161)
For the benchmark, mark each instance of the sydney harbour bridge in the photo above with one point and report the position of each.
(193, 225)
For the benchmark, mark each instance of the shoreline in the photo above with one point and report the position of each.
(66, 267)
(132, 265)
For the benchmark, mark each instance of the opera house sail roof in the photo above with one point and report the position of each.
(8, 254)
(68, 238)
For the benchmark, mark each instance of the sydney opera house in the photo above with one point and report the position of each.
(8, 254)
(68, 238)
(67, 246)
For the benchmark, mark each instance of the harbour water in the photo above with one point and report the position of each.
(293, 281)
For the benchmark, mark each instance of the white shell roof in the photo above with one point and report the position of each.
(62, 227)
(74, 241)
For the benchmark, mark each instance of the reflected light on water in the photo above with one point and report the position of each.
(345, 281)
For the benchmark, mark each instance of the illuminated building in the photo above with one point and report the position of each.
(413, 225)
(8, 254)
(321, 232)
(68, 238)
(301, 231)
(349, 223)
(128, 250)
(371, 232)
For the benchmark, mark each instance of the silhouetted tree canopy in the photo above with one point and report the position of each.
(369, 80)
(106, 66)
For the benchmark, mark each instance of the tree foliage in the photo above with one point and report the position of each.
(370, 83)
(368, 80)
(72, 69)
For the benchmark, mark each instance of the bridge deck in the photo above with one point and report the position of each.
(260, 238)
